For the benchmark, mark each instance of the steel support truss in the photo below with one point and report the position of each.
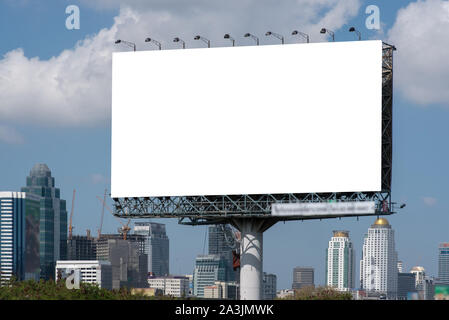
(203, 210)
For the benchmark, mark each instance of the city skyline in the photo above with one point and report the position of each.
(318, 282)
(78, 150)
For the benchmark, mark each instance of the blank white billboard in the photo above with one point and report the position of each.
(293, 118)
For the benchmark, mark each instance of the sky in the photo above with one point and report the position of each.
(55, 102)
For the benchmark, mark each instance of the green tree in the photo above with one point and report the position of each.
(319, 293)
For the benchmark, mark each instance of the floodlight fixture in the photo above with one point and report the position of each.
(180, 40)
(246, 35)
(359, 34)
(280, 37)
(129, 44)
(203, 39)
(302, 34)
(155, 42)
(324, 31)
(227, 36)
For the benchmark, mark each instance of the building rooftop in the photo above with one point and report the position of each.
(381, 223)
(417, 269)
(40, 170)
(341, 233)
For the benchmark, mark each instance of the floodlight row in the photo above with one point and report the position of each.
(246, 35)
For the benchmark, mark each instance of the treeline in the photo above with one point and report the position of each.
(319, 293)
(51, 290)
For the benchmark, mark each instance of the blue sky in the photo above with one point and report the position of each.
(71, 133)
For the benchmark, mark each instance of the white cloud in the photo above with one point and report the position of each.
(10, 135)
(97, 178)
(74, 87)
(420, 34)
(430, 201)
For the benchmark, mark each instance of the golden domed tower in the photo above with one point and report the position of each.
(379, 263)
(381, 223)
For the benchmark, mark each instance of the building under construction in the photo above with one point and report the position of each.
(81, 248)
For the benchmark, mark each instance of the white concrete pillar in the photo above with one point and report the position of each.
(251, 261)
(251, 255)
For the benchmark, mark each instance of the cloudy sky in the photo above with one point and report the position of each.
(55, 101)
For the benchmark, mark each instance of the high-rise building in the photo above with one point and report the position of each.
(208, 269)
(443, 263)
(90, 271)
(219, 243)
(19, 236)
(269, 285)
(406, 285)
(81, 248)
(156, 246)
(127, 257)
(379, 266)
(53, 218)
(420, 274)
(340, 263)
(303, 277)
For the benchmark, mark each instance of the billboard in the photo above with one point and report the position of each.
(442, 292)
(295, 118)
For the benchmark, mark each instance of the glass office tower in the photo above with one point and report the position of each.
(19, 236)
(53, 218)
(157, 246)
(208, 269)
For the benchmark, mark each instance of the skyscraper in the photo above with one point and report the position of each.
(340, 263)
(220, 238)
(269, 285)
(19, 236)
(303, 277)
(156, 246)
(208, 269)
(378, 266)
(53, 218)
(443, 262)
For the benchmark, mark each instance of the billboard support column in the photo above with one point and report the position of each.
(251, 256)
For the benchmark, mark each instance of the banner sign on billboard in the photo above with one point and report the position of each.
(323, 208)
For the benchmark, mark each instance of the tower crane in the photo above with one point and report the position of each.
(102, 213)
(71, 215)
(125, 227)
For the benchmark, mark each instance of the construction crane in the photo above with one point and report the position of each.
(125, 227)
(102, 213)
(71, 215)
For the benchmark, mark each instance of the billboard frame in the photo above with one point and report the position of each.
(203, 210)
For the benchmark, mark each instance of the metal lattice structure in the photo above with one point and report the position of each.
(202, 210)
